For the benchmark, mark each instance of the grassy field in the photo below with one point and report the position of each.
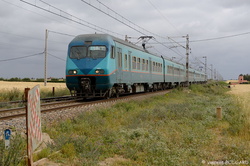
(179, 128)
(10, 91)
(241, 94)
(9, 85)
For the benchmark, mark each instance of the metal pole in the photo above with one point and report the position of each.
(187, 59)
(214, 74)
(205, 67)
(45, 58)
(29, 153)
(212, 77)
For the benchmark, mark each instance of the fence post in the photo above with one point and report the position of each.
(219, 113)
(53, 91)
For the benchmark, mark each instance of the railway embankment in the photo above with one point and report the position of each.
(177, 128)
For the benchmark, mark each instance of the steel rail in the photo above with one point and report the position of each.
(79, 104)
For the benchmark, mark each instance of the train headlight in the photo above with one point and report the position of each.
(72, 71)
(99, 71)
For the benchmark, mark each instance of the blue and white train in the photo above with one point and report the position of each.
(100, 65)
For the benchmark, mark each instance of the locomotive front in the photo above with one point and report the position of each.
(88, 66)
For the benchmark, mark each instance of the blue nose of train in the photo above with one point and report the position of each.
(86, 65)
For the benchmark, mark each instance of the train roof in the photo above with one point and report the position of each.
(110, 38)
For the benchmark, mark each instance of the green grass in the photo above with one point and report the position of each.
(14, 155)
(178, 128)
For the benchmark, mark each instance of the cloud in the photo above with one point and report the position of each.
(23, 31)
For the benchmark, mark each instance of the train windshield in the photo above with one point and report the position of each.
(97, 52)
(78, 52)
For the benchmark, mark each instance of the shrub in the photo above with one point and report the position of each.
(14, 155)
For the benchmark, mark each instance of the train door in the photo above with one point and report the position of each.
(150, 70)
(129, 66)
(173, 76)
(119, 65)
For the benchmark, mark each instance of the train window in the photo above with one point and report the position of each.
(97, 52)
(143, 64)
(146, 65)
(134, 63)
(78, 52)
(113, 52)
(170, 70)
(153, 66)
(126, 61)
(138, 63)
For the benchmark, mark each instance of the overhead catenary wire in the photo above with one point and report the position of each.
(122, 18)
(41, 15)
(222, 37)
(70, 18)
(27, 56)
(164, 17)
(76, 19)
(60, 33)
(113, 17)
(84, 1)
(56, 57)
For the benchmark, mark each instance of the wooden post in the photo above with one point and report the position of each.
(219, 113)
(30, 160)
(53, 91)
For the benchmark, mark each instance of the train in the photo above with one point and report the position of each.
(101, 65)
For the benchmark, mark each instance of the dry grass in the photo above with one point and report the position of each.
(8, 85)
(11, 91)
(242, 95)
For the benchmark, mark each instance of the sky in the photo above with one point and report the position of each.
(217, 30)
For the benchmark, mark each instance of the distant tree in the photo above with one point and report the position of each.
(1, 79)
(26, 80)
(14, 79)
(54, 80)
(246, 77)
(39, 80)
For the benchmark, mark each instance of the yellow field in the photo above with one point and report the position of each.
(242, 94)
(8, 85)
(240, 89)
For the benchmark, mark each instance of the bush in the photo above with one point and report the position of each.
(14, 79)
(10, 95)
(15, 154)
(26, 80)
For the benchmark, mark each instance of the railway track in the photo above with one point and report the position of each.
(21, 111)
(43, 100)
(64, 109)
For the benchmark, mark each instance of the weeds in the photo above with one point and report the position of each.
(16, 94)
(10, 95)
(179, 128)
(14, 155)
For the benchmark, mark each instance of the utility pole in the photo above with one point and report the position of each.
(187, 59)
(215, 74)
(205, 67)
(212, 77)
(187, 56)
(45, 57)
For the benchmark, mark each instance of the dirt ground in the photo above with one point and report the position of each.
(8, 85)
